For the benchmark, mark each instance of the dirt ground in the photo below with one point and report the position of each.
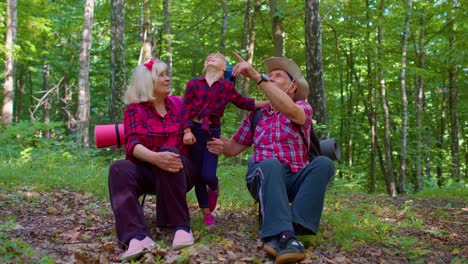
(78, 228)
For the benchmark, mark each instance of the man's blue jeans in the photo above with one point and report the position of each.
(289, 199)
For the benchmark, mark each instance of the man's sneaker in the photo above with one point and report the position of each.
(290, 250)
(271, 247)
(209, 220)
(212, 198)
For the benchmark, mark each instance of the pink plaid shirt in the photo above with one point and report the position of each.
(144, 125)
(277, 137)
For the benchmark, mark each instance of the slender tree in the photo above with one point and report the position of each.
(453, 95)
(168, 36)
(372, 111)
(404, 99)
(8, 87)
(278, 31)
(222, 44)
(117, 63)
(419, 104)
(83, 81)
(47, 105)
(145, 51)
(314, 65)
(390, 176)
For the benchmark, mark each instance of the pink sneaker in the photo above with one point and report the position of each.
(212, 199)
(182, 239)
(136, 248)
(209, 220)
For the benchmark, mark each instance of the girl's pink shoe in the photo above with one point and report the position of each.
(209, 220)
(182, 239)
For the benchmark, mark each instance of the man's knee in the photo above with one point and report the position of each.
(324, 165)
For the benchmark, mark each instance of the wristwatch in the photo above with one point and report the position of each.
(263, 78)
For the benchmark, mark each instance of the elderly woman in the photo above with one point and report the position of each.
(155, 162)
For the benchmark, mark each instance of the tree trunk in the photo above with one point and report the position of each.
(404, 98)
(222, 44)
(419, 107)
(18, 104)
(167, 31)
(390, 176)
(145, 51)
(440, 138)
(83, 81)
(117, 64)
(372, 115)
(278, 32)
(8, 87)
(453, 95)
(46, 74)
(338, 55)
(314, 65)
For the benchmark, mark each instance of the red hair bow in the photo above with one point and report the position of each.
(150, 63)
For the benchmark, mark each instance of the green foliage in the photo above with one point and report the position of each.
(14, 250)
(21, 136)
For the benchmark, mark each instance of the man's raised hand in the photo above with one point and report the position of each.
(244, 68)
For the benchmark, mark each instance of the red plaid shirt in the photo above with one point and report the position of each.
(208, 103)
(144, 125)
(277, 137)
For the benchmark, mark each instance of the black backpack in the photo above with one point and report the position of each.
(329, 146)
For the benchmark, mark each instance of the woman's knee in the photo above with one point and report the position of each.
(117, 169)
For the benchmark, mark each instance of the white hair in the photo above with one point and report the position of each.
(141, 88)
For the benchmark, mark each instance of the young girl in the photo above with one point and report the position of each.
(205, 100)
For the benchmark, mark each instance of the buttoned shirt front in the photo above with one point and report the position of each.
(144, 125)
(277, 137)
(208, 103)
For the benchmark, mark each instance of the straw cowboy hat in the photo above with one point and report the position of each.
(289, 66)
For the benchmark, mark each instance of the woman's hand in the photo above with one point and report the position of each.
(168, 161)
(215, 146)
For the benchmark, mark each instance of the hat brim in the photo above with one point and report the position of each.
(289, 66)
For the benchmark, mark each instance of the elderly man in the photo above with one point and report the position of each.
(290, 188)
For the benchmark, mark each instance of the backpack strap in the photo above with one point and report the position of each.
(313, 145)
(255, 118)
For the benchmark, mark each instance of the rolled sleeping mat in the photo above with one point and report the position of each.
(330, 148)
(109, 135)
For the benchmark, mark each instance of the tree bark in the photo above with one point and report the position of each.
(46, 75)
(390, 176)
(440, 137)
(145, 51)
(404, 99)
(372, 113)
(117, 63)
(278, 32)
(314, 65)
(222, 44)
(168, 37)
(8, 87)
(419, 106)
(83, 81)
(453, 95)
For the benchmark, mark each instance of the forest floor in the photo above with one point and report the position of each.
(73, 227)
